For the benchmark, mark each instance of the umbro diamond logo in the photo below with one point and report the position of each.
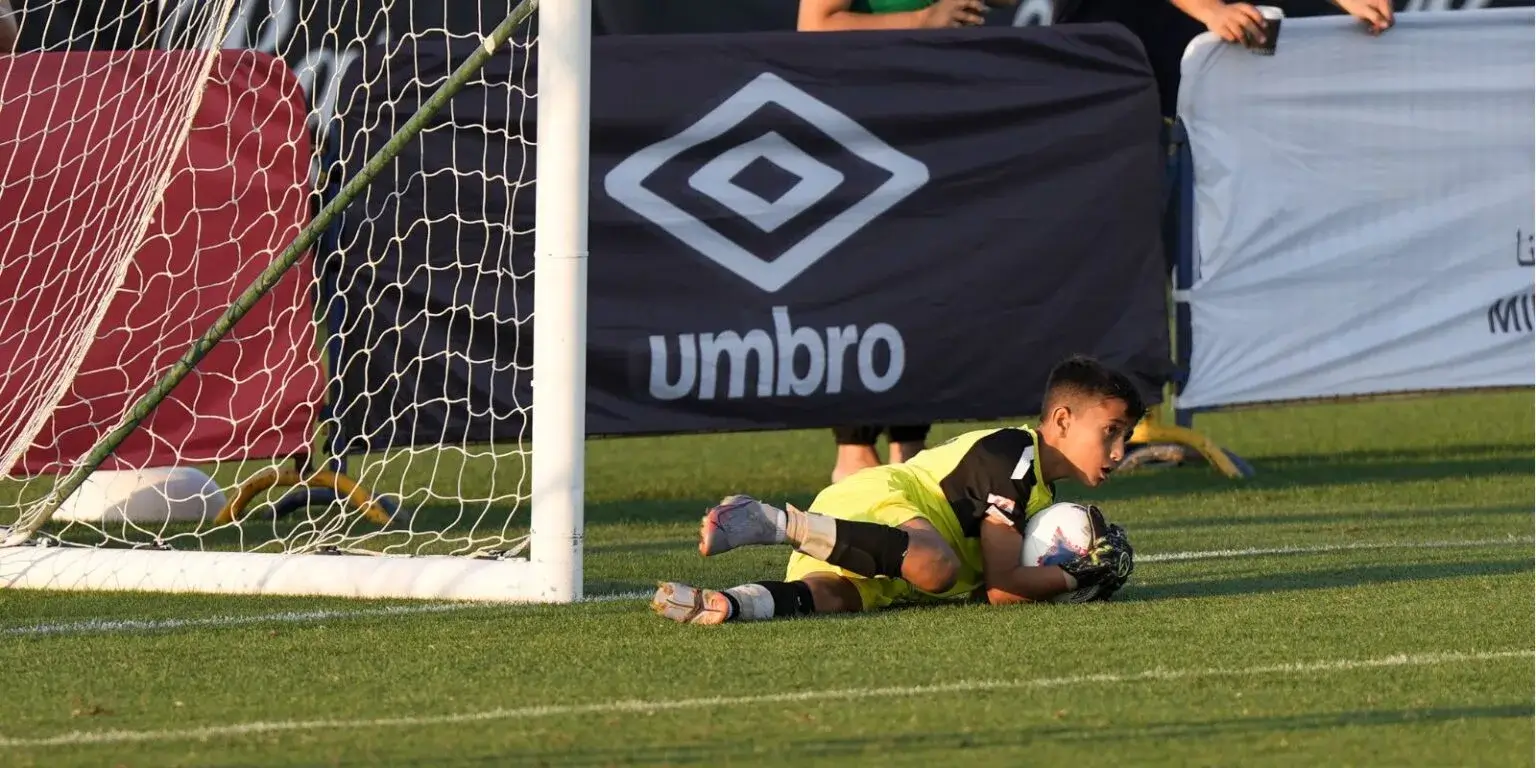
(813, 181)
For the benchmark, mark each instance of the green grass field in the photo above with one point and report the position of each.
(1366, 600)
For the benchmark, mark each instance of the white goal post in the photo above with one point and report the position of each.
(174, 476)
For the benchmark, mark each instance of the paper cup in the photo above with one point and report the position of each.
(1272, 18)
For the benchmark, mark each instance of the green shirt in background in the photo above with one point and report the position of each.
(888, 6)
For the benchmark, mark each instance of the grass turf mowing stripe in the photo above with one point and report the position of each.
(126, 626)
(82, 738)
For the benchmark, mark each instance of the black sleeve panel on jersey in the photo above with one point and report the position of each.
(989, 468)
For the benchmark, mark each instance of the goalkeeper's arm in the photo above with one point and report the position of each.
(1009, 582)
(1108, 564)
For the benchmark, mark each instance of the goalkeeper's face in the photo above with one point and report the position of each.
(1092, 436)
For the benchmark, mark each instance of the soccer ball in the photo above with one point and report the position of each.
(1058, 534)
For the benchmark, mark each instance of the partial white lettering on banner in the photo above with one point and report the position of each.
(1032, 13)
(789, 362)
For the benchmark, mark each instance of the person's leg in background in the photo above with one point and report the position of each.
(855, 449)
(906, 441)
(856, 446)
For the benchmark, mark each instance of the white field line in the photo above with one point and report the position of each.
(123, 626)
(1218, 554)
(642, 706)
(119, 626)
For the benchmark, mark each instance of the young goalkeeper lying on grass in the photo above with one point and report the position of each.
(946, 524)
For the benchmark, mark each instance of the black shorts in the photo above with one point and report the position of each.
(868, 435)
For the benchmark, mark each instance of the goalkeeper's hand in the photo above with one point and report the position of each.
(1107, 564)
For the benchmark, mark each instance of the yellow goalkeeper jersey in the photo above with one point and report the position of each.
(962, 473)
(947, 485)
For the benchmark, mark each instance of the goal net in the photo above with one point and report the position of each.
(224, 370)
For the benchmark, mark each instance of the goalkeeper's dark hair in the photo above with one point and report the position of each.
(1083, 378)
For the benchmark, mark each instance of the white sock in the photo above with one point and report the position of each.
(753, 602)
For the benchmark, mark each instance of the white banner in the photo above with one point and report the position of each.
(1364, 209)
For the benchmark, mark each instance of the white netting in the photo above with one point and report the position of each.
(159, 158)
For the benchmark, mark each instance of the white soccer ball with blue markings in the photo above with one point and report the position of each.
(1057, 534)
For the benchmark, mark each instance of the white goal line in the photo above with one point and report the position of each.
(648, 706)
(125, 626)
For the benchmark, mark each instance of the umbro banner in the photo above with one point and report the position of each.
(786, 230)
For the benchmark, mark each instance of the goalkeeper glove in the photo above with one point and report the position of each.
(1107, 564)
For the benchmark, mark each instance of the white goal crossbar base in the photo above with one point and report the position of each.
(251, 573)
